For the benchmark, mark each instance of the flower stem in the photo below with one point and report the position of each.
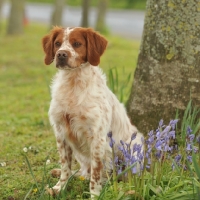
(114, 172)
(130, 178)
(199, 155)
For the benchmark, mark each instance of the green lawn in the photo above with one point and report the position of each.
(24, 83)
(118, 4)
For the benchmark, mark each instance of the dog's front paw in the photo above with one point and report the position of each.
(54, 190)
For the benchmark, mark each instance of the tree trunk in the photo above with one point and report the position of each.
(1, 5)
(101, 16)
(56, 18)
(17, 12)
(168, 68)
(85, 13)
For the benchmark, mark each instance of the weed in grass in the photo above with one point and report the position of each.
(190, 119)
(119, 88)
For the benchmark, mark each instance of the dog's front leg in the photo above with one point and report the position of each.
(97, 154)
(66, 159)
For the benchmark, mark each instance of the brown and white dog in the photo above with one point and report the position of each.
(83, 109)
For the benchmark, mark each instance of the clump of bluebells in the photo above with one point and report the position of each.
(129, 162)
(184, 156)
(158, 143)
(160, 148)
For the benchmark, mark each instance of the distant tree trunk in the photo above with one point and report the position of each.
(85, 13)
(15, 22)
(56, 18)
(168, 68)
(101, 16)
(1, 5)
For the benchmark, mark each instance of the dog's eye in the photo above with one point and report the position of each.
(57, 44)
(76, 44)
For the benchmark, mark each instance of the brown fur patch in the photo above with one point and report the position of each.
(97, 171)
(92, 45)
(55, 173)
(49, 43)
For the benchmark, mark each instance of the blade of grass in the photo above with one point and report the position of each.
(31, 171)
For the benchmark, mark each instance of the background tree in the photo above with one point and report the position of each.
(56, 18)
(1, 5)
(85, 13)
(101, 16)
(168, 68)
(17, 14)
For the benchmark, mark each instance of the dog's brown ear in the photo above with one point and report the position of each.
(96, 45)
(48, 44)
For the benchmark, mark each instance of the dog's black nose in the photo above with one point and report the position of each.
(61, 58)
(62, 54)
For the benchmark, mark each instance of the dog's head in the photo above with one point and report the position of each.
(72, 47)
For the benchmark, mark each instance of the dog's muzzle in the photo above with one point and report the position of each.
(61, 58)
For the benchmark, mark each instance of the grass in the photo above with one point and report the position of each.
(118, 4)
(24, 105)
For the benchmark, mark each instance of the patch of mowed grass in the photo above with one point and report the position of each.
(119, 4)
(25, 97)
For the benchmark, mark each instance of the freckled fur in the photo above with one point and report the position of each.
(83, 109)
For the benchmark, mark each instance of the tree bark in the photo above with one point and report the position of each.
(57, 14)
(101, 16)
(85, 13)
(168, 68)
(17, 14)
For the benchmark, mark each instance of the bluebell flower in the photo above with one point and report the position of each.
(166, 130)
(119, 171)
(173, 123)
(141, 156)
(195, 149)
(189, 130)
(150, 133)
(116, 160)
(158, 145)
(161, 123)
(137, 148)
(112, 142)
(158, 134)
(121, 148)
(122, 143)
(189, 147)
(198, 139)
(158, 154)
(133, 136)
(148, 166)
(178, 158)
(109, 134)
(191, 137)
(172, 134)
(134, 169)
(189, 158)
